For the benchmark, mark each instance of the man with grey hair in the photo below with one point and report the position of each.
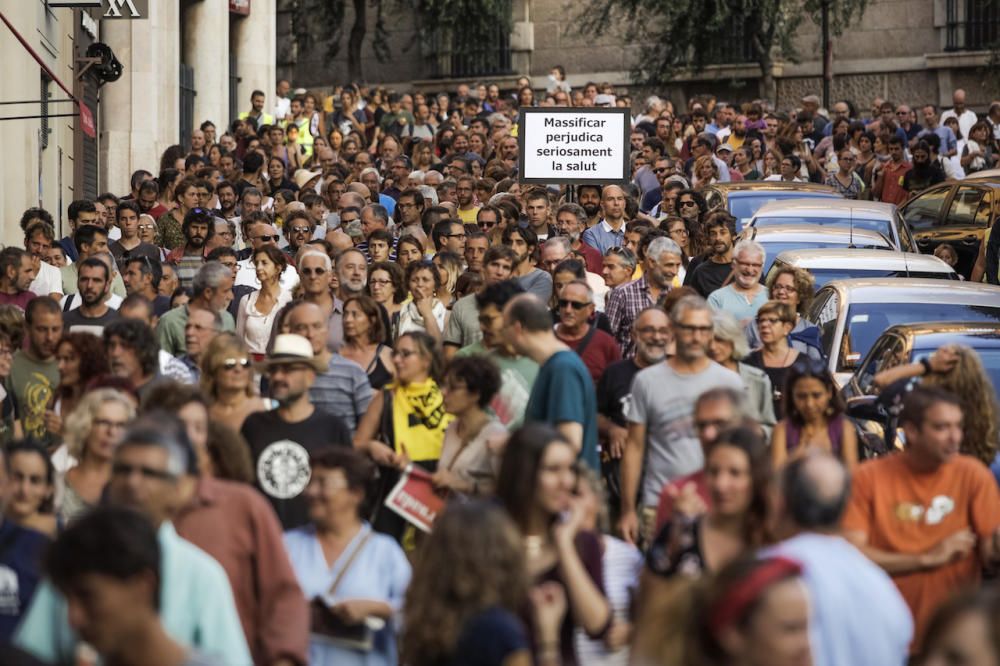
(861, 618)
(745, 294)
(261, 234)
(373, 218)
(574, 328)
(662, 444)
(571, 221)
(152, 465)
(213, 290)
(660, 266)
(352, 273)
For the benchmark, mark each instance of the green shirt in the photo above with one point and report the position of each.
(517, 376)
(32, 384)
(170, 329)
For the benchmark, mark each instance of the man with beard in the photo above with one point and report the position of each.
(34, 371)
(409, 208)
(352, 273)
(595, 348)
(226, 194)
(661, 444)
(93, 286)
(524, 242)
(465, 193)
(197, 225)
(589, 198)
(623, 305)
(571, 221)
(463, 327)
(925, 171)
(16, 274)
(711, 273)
(745, 294)
(476, 245)
(610, 231)
(281, 439)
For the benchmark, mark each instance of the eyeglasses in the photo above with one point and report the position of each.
(576, 305)
(110, 425)
(381, 282)
(782, 287)
(461, 235)
(232, 363)
(6, 351)
(688, 328)
(124, 469)
(313, 271)
(403, 353)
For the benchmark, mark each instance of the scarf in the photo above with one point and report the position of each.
(419, 419)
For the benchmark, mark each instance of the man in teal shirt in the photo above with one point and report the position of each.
(563, 393)
(196, 601)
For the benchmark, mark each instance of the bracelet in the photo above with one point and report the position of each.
(927, 366)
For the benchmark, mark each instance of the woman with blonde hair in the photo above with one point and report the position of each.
(449, 265)
(91, 432)
(227, 381)
(957, 369)
(704, 172)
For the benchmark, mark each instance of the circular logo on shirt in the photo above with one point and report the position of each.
(283, 469)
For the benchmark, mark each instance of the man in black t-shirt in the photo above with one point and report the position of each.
(93, 284)
(281, 440)
(713, 270)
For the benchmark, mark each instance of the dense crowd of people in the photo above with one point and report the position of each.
(218, 384)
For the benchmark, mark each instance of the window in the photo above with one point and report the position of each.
(888, 353)
(970, 207)
(971, 25)
(923, 212)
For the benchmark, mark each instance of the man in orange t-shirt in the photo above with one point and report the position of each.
(928, 516)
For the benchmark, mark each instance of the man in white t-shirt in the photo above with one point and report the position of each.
(966, 117)
(38, 239)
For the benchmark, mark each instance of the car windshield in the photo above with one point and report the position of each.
(824, 275)
(990, 359)
(744, 206)
(774, 249)
(883, 227)
(867, 321)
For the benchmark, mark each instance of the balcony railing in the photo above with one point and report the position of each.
(452, 53)
(972, 25)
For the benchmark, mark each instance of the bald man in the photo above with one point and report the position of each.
(966, 117)
(610, 231)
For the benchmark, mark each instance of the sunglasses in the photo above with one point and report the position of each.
(123, 469)
(232, 363)
(275, 238)
(576, 305)
(685, 204)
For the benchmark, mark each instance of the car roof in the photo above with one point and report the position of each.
(817, 233)
(775, 185)
(863, 259)
(825, 208)
(976, 334)
(985, 174)
(916, 290)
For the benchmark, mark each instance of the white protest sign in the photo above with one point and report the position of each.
(574, 145)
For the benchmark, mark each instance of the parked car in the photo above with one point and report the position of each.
(845, 213)
(906, 343)
(837, 264)
(852, 314)
(743, 198)
(813, 237)
(958, 212)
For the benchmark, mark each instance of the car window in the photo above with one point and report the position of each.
(887, 353)
(823, 313)
(985, 208)
(906, 242)
(924, 210)
(965, 207)
(880, 226)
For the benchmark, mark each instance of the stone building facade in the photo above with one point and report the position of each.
(908, 51)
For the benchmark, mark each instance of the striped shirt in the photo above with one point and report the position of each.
(620, 566)
(622, 306)
(343, 390)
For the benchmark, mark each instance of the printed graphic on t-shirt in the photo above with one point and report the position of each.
(940, 507)
(10, 598)
(283, 469)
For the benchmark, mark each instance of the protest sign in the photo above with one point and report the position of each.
(574, 145)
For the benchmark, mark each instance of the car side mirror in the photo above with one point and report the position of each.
(865, 408)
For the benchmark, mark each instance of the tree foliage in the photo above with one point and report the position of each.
(678, 36)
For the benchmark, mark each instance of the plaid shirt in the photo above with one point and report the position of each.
(622, 306)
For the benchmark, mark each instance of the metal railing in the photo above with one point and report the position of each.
(972, 25)
(451, 53)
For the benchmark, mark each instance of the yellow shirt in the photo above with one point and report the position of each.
(468, 216)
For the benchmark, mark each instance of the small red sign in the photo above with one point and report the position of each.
(239, 7)
(87, 120)
(415, 499)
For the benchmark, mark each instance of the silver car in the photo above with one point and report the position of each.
(852, 314)
(841, 264)
(875, 216)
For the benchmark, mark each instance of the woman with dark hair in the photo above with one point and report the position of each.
(469, 585)
(350, 574)
(407, 419)
(755, 612)
(964, 631)
(470, 456)
(537, 486)
(814, 417)
(229, 454)
(387, 285)
(409, 249)
(277, 177)
(692, 209)
(258, 310)
(81, 358)
(425, 312)
(31, 487)
(365, 340)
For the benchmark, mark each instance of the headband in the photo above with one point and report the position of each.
(732, 605)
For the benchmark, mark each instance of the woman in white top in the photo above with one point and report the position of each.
(258, 310)
(470, 459)
(423, 312)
